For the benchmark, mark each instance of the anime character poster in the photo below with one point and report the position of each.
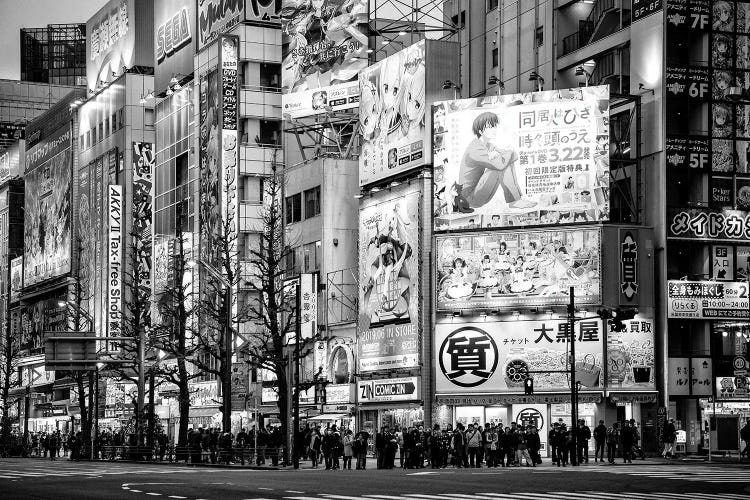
(389, 279)
(144, 161)
(210, 130)
(47, 208)
(522, 160)
(510, 269)
(392, 115)
(324, 47)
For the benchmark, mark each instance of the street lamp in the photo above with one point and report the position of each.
(449, 84)
(581, 71)
(226, 387)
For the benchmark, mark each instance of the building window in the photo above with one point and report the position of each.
(114, 121)
(294, 208)
(100, 134)
(312, 202)
(121, 118)
(311, 257)
(270, 75)
(211, 362)
(495, 57)
(148, 117)
(181, 169)
(492, 4)
(540, 36)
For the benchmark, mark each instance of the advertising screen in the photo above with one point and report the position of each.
(47, 217)
(324, 47)
(517, 269)
(630, 356)
(209, 191)
(389, 275)
(496, 356)
(523, 159)
(392, 114)
(707, 299)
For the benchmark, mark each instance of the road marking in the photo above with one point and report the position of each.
(175, 496)
(263, 488)
(135, 491)
(293, 491)
(154, 494)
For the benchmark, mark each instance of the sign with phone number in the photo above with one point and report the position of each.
(707, 300)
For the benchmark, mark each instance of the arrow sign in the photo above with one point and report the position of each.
(393, 389)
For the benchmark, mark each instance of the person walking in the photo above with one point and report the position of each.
(314, 445)
(626, 438)
(241, 443)
(745, 436)
(534, 442)
(473, 443)
(380, 448)
(613, 437)
(522, 455)
(600, 438)
(670, 434)
(584, 435)
(348, 441)
(52, 443)
(459, 446)
(553, 438)
(398, 432)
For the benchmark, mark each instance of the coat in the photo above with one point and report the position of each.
(348, 441)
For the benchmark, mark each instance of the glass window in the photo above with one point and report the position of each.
(114, 121)
(495, 57)
(312, 202)
(148, 117)
(294, 208)
(181, 169)
(540, 36)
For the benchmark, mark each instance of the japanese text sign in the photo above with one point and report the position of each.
(707, 299)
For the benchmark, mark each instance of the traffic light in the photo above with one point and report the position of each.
(528, 386)
(617, 316)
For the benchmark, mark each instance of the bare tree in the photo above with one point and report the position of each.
(10, 353)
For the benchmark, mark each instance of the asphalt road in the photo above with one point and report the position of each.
(35, 478)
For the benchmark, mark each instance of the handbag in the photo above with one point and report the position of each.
(587, 371)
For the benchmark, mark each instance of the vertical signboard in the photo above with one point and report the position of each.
(143, 195)
(16, 277)
(521, 160)
(324, 48)
(308, 301)
(208, 143)
(174, 26)
(114, 266)
(229, 147)
(388, 333)
(85, 236)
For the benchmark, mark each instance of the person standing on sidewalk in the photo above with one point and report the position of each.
(584, 434)
(534, 442)
(613, 437)
(745, 436)
(241, 443)
(600, 438)
(670, 434)
(473, 442)
(348, 441)
(626, 438)
(314, 446)
(52, 443)
(553, 438)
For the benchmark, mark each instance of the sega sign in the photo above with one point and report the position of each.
(173, 34)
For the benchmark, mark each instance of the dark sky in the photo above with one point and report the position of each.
(17, 14)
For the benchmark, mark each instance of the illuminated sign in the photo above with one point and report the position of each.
(629, 266)
(708, 225)
(144, 161)
(522, 159)
(518, 268)
(114, 274)
(173, 34)
(707, 299)
(392, 389)
(216, 17)
(111, 26)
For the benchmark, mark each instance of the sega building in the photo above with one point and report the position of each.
(529, 223)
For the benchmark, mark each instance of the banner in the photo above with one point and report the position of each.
(324, 47)
(216, 17)
(523, 159)
(708, 225)
(388, 330)
(114, 270)
(518, 268)
(142, 226)
(495, 357)
(630, 356)
(47, 203)
(209, 186)
(392, 114)
(707, 299)
(16, 277)
(229, 139)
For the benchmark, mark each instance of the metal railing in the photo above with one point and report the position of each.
(587, 26)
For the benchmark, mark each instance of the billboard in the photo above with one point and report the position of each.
(114, 267)
(707, 299)
(174, 25)
(10, 161)
(630, 356)
(389, 250)
(16, 277)
(324, 47)
(208, 142)
(216, 17)
(523, 159)
(229, 138)
(387, 390)
(708, 225)
(144, 161)
(47, 217)
(494, 357)
(494, 270)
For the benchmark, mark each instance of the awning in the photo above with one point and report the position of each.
(329, 416)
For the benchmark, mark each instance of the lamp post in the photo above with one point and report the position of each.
(573, 386)
(226, 386)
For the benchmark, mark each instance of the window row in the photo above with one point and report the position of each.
(294, 208)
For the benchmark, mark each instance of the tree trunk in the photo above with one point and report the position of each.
(184, 400)
(283, 405)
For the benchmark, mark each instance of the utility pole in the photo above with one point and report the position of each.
(573, 387)
(295, 401)
(226, 388)
(141, 386)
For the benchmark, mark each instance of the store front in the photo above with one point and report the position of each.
(393, 402)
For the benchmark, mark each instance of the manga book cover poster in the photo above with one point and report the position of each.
(392, 114)
(210, 133)
(522, 160)
(508, 269)
(324, 47)
(389, 279)
(47, 209)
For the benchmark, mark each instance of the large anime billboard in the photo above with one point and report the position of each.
(512, 269)
(47, 207)
(389, 275)
(208, 142)
(523, 159)
(324, 49)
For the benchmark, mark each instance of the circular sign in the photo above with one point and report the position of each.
(468, 357)
(740, 363)
(530, 416)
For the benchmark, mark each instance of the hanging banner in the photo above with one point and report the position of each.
(209, 187)
(707, 299)
(522, 159)
(114, 269)
(143, 195)
(229, 145)
(16, 277)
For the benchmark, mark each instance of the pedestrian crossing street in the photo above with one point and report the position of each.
(87, 469)
(703, 474)
(559, 495)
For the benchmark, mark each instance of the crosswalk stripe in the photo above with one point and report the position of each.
(385, 497)
(341, 497)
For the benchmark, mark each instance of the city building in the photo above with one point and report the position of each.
(55, 54)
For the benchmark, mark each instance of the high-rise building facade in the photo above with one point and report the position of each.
(55, 54)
